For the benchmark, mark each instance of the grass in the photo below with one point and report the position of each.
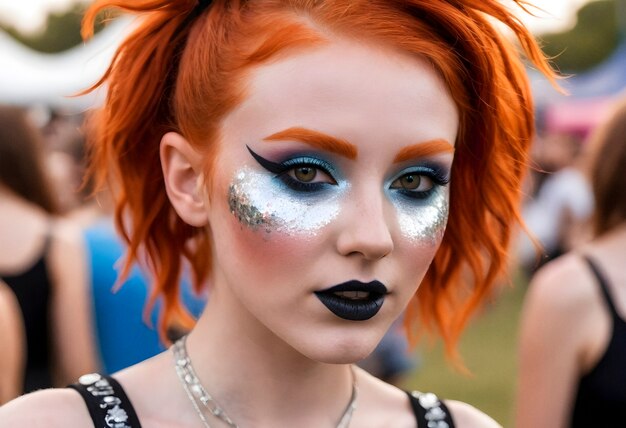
(488, 348)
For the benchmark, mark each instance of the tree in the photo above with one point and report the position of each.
(591, 41)
(61, 32)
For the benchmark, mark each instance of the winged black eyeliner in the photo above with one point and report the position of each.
(276, 168)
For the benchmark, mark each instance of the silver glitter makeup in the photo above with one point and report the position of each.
(259, 201)
(424, 224)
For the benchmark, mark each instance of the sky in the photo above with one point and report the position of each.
(29, 15)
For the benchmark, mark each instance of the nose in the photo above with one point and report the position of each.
(365, 230)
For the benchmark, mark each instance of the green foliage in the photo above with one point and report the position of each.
(591, 41)
(61, 31)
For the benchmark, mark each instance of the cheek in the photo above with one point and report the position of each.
(423, 223)
(262, 204)
(274, 225)
(266, 258)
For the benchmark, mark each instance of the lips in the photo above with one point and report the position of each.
(354, 300)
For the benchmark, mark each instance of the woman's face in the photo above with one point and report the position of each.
(330, 196)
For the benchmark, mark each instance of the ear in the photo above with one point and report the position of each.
(182, 174)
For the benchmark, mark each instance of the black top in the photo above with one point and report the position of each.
(109, 406)
(32, 291)
(601, 398)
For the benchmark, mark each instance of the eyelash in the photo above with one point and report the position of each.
(302, 162)
(435, 173)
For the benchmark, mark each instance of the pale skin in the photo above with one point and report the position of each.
(12, 356)
(566, 328)
(265, 346)
(25, 226)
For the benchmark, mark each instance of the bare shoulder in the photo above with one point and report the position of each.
(9, 308)
(383, 405)
(563, 285)
(11, 327)
(67, 254)
(467, 416)
(67, 247)
(49, 408)
(66, 233)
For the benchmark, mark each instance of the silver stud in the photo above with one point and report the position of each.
(90, 378)
(428, 400)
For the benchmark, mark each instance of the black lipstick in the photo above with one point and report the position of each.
(354, 300)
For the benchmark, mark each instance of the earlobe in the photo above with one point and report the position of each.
(182, 173)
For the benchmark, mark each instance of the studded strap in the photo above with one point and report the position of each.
(108, 405)
(430, 412)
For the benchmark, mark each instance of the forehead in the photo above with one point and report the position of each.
(350, 90)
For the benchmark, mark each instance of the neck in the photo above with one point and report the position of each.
(257, 378)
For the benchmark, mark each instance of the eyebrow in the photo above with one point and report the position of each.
(316, 139)
(423, 149)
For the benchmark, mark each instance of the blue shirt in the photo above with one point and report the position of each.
(123, 337)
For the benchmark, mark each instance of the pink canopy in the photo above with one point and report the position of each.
(577, 116)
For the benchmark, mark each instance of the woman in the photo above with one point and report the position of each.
(42, 261)
(298, 154)
(573, 328)
(12, 355)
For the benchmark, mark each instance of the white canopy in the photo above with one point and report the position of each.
(29, 78)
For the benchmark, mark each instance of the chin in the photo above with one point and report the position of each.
(345, 352)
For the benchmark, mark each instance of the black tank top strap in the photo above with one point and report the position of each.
(106, 401)
(604, 286)
(430, 412)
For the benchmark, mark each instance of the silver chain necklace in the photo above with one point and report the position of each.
(202, 400)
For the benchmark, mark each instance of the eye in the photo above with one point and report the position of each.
(420, 181)
(413, 182)
(310, 174)
(303, 174)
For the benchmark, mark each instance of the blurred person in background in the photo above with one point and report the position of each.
(42, 260)
(573, 331)
(119, 319)
(560, 202)
(12, 354)
(66, 162)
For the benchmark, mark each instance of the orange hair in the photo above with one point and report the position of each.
(184, 73)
